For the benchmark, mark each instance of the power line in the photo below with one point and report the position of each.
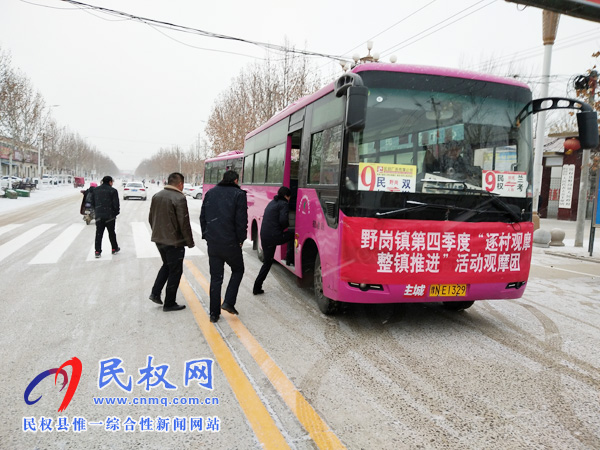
(399, 46)
(391, 26)
(190, 30)
(538, 50)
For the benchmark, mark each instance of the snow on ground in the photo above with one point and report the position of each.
(44, 194)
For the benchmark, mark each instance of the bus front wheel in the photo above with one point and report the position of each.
(326, 305)
(457, 306)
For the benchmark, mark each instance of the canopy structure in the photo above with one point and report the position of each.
(584, 9)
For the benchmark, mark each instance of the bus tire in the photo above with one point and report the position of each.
(457, 306)
(326, 305)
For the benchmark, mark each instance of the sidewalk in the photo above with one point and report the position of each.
(569, 250)
(44, 194)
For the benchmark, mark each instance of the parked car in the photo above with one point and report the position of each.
(192, 191)
(15, 181)
(134, 189)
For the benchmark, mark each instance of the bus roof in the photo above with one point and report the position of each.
(232, 154)
(387, 67)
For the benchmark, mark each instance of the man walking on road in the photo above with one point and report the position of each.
(105, 201)
(171, 232)
(224, 222)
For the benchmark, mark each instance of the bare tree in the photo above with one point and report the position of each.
(255, 95)
(25, 121)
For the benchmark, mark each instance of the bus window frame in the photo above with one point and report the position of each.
(250, 172)
(339, 159)
(315, 127)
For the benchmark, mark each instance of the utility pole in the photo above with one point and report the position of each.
(584, 179)
(549, 27)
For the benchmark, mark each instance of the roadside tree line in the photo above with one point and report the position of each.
(258, 92)
(27, 126)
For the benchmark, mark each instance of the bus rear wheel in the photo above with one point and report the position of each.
(259, 251)
(326, 305)
(457, 306)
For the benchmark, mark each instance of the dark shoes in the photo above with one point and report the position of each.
(97, 254)
(156, 299)
(174, 307)
(257, 291)
(229, 308)
(214, 318)
(116, 250)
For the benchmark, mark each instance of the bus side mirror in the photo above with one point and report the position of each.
(587, 122)
(356, 108)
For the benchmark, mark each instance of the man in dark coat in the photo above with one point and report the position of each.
(105, 201)
(171, 232)
(224, 222)
(273, 232)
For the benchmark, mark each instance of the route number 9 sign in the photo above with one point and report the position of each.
(508, 184)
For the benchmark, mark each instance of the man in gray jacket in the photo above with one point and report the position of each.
(171, 231)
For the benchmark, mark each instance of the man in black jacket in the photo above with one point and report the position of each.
(273, 233)
(171, 232)
(224, 222)
(105, 201)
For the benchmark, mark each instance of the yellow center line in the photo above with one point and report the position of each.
(260, 420)
(316, 427)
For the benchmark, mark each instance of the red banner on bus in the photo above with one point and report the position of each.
(387, 251)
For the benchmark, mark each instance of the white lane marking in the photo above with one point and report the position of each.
(15, 244)
(196, 228)
(53, 251)
(195, 251)
(564, 270)
(144, 247)
(7, 228)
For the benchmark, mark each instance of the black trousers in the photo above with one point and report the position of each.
(218, 255)
(169, 273)
(109, 224)
(269, 256)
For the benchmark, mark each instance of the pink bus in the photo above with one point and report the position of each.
(410, 184)
(214, 168)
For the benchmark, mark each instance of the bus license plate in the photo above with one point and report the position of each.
(447, 290)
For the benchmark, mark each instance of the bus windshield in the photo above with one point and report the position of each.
(441, 135)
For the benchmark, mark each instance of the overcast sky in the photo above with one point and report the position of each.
(130, 88)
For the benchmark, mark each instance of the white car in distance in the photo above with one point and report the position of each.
(134, 189)
(193, 191)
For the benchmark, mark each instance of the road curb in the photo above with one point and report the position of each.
(571, 256)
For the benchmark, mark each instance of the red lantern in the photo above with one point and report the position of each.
(572, 144)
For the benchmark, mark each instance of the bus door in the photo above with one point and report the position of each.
(294, 144)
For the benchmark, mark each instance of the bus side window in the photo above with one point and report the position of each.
(248, 167)
(325, 156)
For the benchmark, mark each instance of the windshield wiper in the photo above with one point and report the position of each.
(493, 198)
(421, 205)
